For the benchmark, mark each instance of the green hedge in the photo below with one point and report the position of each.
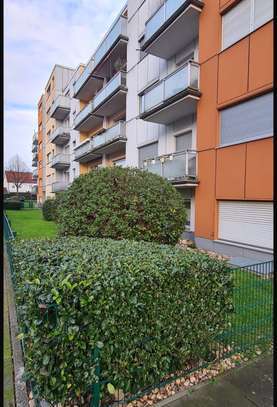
(49, 209)
(122, 203)
(13, 204)
(150, 308)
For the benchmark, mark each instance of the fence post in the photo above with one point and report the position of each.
(95, 401)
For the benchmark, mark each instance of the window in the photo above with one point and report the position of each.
(184, 141)
(246, 121)
(48, 90)
(244, 18)
(48, 158)
(146, 152)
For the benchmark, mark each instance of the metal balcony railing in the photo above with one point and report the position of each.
(60, 186)
(116, 132)
(119, 29)
(185, 77)
(63, 159)
(118, 80)
(175, 166)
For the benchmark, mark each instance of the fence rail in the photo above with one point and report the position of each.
(250, 330)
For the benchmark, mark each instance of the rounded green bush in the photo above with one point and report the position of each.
(150, 309)
(49, 209)
(122, 203)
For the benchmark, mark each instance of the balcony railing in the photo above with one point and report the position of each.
(60, 108)
(60, 186)
(116, 82)
(60, 160)
(174, 167)
(180, 80)
(61, 135)
(118, 30)
(117, 132)
(34, 148)
(83, 114)
(166, 33)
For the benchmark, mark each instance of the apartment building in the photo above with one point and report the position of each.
(183, 88)
(58, 107)
(41, 167)
(102, 90)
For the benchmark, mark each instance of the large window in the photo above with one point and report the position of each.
(148, 151)
(244, 18)
(246, 121)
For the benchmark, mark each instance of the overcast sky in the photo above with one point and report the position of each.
(37, 35)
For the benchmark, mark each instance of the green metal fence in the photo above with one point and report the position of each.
(250, 329)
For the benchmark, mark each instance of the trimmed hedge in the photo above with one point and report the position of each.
(13, 204)
(122, 203)
(152, 309)
(49, 209)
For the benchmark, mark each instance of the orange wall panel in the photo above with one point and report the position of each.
(230, 172)
(233, 71)
(261, 57)
(259, 170)
(209, 30)
(205, 196)
(207, 115)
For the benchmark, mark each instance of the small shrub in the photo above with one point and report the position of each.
(122, 203)
(49, 209)
(152, 309)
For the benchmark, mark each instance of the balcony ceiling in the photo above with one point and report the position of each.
(172, 111)
(167, 42)
(113, 104)
(60, 113)
(89, 88)
(89, 123)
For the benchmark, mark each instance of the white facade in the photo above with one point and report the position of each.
(25, 187)
(144, 70)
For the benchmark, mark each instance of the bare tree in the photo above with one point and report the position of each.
(18, 171)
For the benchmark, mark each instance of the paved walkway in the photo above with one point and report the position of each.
(248, 386)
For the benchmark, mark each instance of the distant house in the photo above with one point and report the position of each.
(26, 178)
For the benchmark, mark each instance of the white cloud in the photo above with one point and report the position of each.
(38, 35)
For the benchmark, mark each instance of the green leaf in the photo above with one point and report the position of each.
(111, 388)
(46, 359)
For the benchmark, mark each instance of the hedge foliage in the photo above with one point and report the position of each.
(13, 204)
(150, 308)
(122, 203)
(49, 209)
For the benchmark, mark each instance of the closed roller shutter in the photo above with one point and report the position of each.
(249, 223)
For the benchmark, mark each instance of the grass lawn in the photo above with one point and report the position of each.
(29, 224)
(252, 322)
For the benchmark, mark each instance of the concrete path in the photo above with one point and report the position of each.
(248, 386)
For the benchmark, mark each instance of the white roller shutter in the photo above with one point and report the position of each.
(249, 223)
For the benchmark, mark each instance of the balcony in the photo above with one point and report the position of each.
(59, 186)
(34, 148)
(61, 161)
(114, 46)
(112, 97)
(86, 120)
(34, 163)
(35, 173)
(174, 25)
(87, 84)
(110, 141)
(178, 167)
(60, 108)
(60, 136)
(173, 97)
